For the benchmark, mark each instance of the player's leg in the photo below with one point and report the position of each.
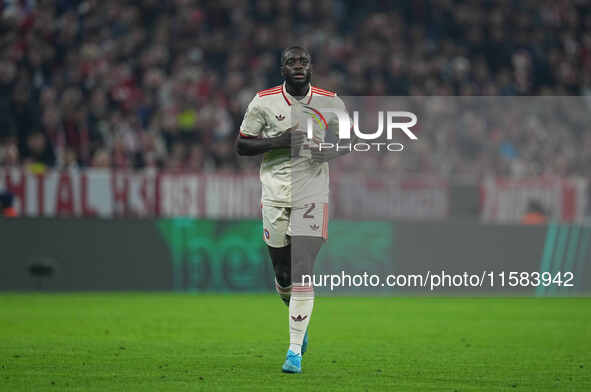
(281, 260)
(304, 252)
(275, 223)
(308, 232)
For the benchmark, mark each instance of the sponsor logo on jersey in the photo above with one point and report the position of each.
(314, 227)
(280, 117)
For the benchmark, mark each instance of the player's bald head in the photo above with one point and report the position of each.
(297, 51)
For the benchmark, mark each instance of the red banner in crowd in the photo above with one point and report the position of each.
(107, 193)
(209, 195)
(507, 200)
(96, 192)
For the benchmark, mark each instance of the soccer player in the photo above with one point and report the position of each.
(295, 181)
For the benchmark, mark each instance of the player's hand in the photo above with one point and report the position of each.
(292, 138)
(323, 155)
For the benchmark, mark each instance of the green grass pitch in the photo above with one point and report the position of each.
(182, 342)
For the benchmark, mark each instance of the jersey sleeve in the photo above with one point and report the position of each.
(253, 121)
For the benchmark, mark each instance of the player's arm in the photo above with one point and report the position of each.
(250, 141)
(248, 145)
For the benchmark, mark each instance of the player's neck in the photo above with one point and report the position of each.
(297, 91)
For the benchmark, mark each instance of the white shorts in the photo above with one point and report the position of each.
(279, 223)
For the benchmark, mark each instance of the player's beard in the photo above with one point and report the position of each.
(300, 82)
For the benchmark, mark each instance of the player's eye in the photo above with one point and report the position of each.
(290, 62)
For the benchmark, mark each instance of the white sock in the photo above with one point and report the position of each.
(300, 311)
(284, 292)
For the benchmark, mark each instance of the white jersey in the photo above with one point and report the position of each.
(291, 182)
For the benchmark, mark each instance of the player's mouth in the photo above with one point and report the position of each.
(299, 76)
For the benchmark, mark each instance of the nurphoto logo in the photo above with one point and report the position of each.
(394, 121)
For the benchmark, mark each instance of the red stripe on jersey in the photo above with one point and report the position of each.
(324, 94)
(247, 136)
(271, 93)
(270, 89)
(321, 90)
(318, 90)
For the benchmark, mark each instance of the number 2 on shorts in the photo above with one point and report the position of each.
(307, 214)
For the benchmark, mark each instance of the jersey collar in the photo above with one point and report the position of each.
(289, 98)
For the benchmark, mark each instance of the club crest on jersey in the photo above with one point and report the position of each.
(266, 233)
(299, 318)
(280, 117)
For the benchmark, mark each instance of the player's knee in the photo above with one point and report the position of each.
(283, 277)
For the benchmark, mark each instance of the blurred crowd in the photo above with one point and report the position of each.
(465, 138)
(164, 84)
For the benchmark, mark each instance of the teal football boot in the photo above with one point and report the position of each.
(293, 363)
